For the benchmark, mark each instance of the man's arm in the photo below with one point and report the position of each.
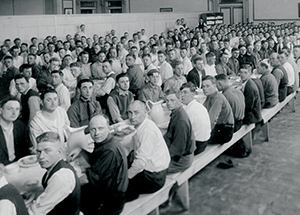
(180, 138)
(114, 110)
(107, 87)
(73, 116)
(278, 74)
(34, 106)
(142, 154)
(60, 185)
(214, 112)
(7, 207)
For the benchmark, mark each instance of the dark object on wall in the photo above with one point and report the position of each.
(212, 18)
(166, 9)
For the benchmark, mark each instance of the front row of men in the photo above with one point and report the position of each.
(111, 179)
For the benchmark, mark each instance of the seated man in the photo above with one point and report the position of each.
(283, 58)
(220, 113)
(50, 118)
(197, 73)
(108, 180)
(151, 91)
(174, 83)
(61, 193)
(198, 116)
(235, 98)
(148, 171)
(269, 84)
(281, 76)
(222, 68)
(63, 93)
(164, 67)
(11, 72)
(25, 69)
(120, 99)
(180, 136)
(30, 99)
(252, 98)
(135, 74)
(45, 79)
(82, 110)
(14, 138)
(11, 202)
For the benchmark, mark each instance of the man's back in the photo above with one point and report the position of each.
(136, 77)
(270, 89)
(236, 100)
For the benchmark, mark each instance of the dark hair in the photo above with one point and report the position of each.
(189, 85)
(48, 136)
(146, 55)
(7, 99)
(210, 54)
(83, 53)
(20, 76)
(209, 77)
(131, 55)
(74, 64)
(197, 59)
(121, 76)
(84, 81)
(24, 66)
(176, 63)
(57, 72)
(8, 57)
(161, 52)
(46, 90)
(221, 77)
(172, 91)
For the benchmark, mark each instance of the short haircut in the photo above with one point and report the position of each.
(210, 78)
(197, 59)
(48, 136)
(54, 59)
(264, 64)
(24, 66)
(152, 71)
(57, 72)
(146, 55)
(74, 64)
(172, 91)
(131, 55)
(8, 57)
(46, 90)
(210, 54)
(30, 54)
(161, 52)
(84, 81)
(83, 53)
(20, 76)
(176, 63)
(221, 77)
(7, 99)
(189, 85)
(121, 76)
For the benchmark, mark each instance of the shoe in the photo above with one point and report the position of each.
(226, 164)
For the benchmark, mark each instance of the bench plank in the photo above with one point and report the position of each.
(146, 203)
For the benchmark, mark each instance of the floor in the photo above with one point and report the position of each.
(265, 183)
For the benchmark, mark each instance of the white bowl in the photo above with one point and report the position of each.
(12, 168)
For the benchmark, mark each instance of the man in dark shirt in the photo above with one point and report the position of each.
(197, 73)
(82, 110)
(180, 136)
(281, 76)
(220, 113)
(270, 85)
(45, 78)
(235, 98)
(7, 76)
(135, 74)
(108, 179)
(233, 62)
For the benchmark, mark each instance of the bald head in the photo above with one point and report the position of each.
(137, 112)
(99, 128)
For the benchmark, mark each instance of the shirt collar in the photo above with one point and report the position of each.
(107, 140)
(122, 92)
(3, 181)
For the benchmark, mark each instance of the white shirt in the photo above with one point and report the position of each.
(210, 70)
(59, 186)
(63, 96)
(18, 61)
(6, 206)
(187, 65)
(166, 71)
(9, 139)
(200, 121)
(150, 150)
(290, 73)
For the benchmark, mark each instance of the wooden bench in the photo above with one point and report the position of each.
(206, 157)
(268, 113)
(147, 203)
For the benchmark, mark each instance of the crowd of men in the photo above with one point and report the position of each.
(54, 85)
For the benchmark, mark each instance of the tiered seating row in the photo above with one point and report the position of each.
(149, 203)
